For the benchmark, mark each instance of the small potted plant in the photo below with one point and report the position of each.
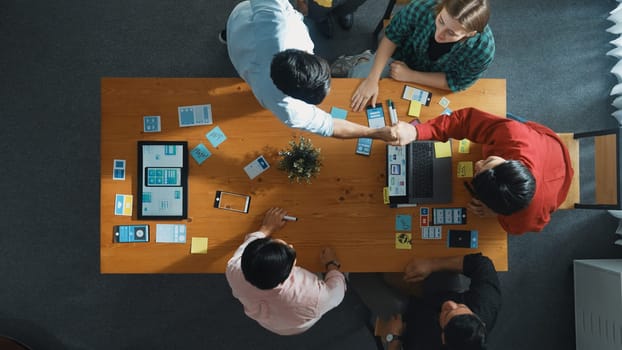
(301, 160)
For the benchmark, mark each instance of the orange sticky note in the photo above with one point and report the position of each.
(415, 108)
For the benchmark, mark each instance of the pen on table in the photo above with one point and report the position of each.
(290, 218)
(392, 112)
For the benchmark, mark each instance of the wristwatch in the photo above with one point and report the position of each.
(333, 262)
(392, 337)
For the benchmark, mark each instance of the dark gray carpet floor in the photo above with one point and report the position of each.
(52, 55)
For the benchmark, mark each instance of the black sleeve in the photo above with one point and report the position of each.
(484, 295)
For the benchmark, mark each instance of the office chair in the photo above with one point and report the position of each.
(606, 168)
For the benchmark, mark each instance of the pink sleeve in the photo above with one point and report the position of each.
(332, 291)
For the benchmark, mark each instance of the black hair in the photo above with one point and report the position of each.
(301, 75)
(266, 263)
(506, 188)
(465, 332)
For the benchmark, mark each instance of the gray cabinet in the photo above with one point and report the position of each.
(598, 304)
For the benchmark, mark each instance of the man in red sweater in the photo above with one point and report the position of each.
(526, 171)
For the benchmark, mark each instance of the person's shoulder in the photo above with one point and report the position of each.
(530, 219)
(484, 41)
(423, 4)
(421, 8)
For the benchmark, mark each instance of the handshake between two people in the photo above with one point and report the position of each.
(399, 134)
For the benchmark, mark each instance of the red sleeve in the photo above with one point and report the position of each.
(470, 123)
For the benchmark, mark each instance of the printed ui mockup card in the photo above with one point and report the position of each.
(403, 222)
(200, 153)
(195, 115)
(151, 123)
(118, 169)
(216, 136)
(431, 232)
(256, 167)
(123, 204)
(170, 233)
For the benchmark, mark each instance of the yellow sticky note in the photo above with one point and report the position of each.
(403, 240)
(415, 108)
(442, 149)
(465, 169)
(464, 146)
(199, 245)
(385, 195)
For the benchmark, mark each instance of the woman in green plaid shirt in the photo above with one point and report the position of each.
(446, 44)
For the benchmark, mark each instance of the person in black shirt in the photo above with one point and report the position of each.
(444, 319)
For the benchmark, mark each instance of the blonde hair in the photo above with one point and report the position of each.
(473, 15)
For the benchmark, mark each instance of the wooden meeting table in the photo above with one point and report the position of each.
(342, 208)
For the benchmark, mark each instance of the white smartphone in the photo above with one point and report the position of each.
(414, 94)
(232, 201)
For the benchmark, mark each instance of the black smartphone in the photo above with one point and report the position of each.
(130, 233)
(375, 116)
(363, 146)
(462, 239)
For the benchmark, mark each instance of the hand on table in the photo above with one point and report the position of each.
(480, 209)
(327, 255)
(418, 269)
(368, 89)
(273, 221)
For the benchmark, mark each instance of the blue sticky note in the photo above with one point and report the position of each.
(216, 136)
(447, 111)
(338, 113)
(403, 222)
(200, 153)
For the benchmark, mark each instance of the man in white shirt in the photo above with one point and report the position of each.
(270, 47)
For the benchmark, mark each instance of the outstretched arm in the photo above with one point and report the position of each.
(401, 72)
(343, 129)
(368, 89)
(419, 269)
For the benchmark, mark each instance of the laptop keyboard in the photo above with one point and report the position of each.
(422, 178)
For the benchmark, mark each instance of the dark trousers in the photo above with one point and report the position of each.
(339, 8)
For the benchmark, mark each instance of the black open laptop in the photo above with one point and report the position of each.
(416, 176)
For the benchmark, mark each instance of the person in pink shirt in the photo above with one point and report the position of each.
(280, 296)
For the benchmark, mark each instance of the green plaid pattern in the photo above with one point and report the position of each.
(411, 29)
